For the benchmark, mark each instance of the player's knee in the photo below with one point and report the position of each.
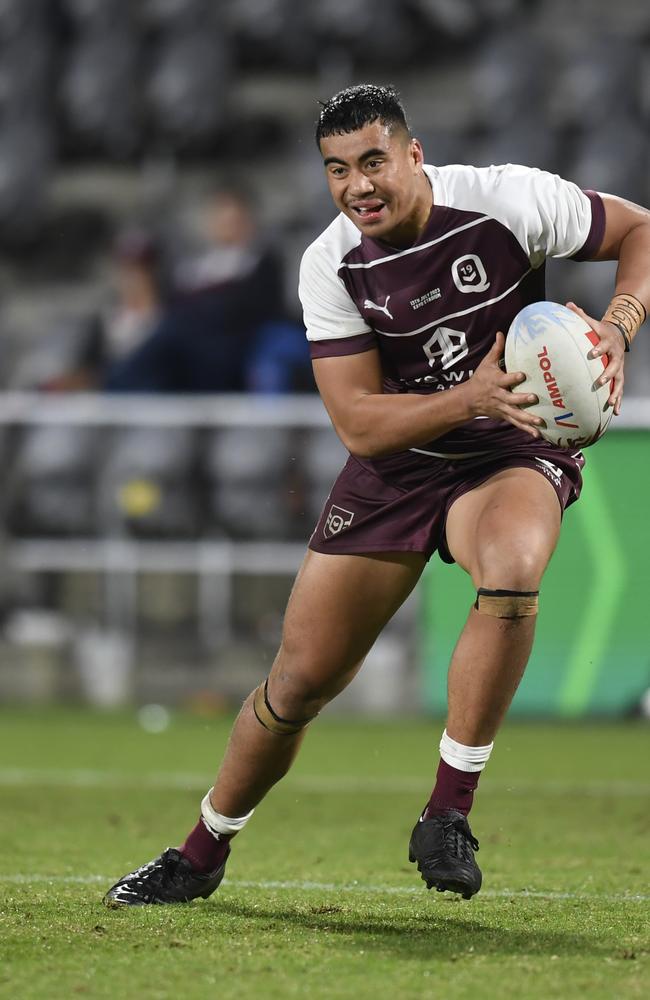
(304, 680)
(300, 685)
(515, 568)
(508, 588)
(297, 692)
(270, 712)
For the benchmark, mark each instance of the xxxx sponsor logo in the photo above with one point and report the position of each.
(337, 521)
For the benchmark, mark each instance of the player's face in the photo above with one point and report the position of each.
(375, 177)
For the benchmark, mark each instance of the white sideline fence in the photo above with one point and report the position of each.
(214, 563)
(121, 559)
(232, 410)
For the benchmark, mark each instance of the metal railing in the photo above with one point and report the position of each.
(120, 559)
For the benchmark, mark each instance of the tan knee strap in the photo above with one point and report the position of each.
(507, 603)
(270, 720)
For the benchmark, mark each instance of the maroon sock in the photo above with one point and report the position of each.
(203, 849)
(453, 789)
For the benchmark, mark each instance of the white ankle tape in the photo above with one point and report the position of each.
(464, 758)
(216, 823)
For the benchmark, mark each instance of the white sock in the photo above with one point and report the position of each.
(464, 758)
(218, 824)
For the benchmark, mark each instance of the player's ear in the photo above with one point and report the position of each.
(416, 151)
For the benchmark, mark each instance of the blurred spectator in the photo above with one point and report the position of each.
(227, 328)
(134, 311)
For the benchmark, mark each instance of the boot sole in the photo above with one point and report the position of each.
(442, 884)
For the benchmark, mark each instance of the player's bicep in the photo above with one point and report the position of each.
(343, 383)
(621, 217)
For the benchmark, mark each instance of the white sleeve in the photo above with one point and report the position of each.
(549, 216)
(328, 311)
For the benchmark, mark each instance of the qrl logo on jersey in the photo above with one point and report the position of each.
(447, 346)
(469, 274)
(337, 520)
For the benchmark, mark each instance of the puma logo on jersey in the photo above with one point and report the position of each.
(369, 304)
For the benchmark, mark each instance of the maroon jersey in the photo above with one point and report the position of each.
(433, 309)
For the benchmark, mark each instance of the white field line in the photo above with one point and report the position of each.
(350, 887)
(345, 784)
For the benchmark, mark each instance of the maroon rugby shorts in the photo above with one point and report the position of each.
(369, 511)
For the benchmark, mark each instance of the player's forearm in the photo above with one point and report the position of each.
(632, 279)
(380, 424)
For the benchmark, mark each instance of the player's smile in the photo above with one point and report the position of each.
(375, 178)
(368, 211)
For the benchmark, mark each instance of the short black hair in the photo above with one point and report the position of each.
(360, 105)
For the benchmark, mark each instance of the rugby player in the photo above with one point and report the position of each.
(405, 298)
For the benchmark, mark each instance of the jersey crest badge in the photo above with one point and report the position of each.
(469, 274)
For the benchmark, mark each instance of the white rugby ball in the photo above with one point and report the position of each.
(551, 344)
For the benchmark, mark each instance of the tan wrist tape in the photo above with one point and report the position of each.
(627, 313)
(270, 719)
(507, 603)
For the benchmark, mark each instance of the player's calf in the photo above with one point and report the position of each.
(197, 867)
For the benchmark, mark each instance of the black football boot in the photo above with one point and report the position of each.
(443, 847)
(167, 879)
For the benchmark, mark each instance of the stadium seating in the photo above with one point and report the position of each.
(597, 156)
(99, 94)
(145, 485)
(247, 472)
(508, 79)
(25, 169)
(50, 486)
(186, 93)
(276, 34)
(323, 458)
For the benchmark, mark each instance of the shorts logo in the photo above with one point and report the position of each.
(446, 347)
(552, 471)
(338, 520)
(469, 274)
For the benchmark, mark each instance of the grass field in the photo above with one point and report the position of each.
(320, 900)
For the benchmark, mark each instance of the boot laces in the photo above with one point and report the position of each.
(153, 872)
(459, 837)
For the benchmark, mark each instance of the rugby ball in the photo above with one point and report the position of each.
(551, 344)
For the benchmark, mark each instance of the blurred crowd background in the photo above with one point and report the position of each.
(158, 183)
(154, 148)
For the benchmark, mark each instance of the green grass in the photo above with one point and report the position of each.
(320, 900)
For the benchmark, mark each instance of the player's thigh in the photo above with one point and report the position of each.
(338, 606)
(504, 531)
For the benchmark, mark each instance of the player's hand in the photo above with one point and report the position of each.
(492, 392)
(613, 345)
